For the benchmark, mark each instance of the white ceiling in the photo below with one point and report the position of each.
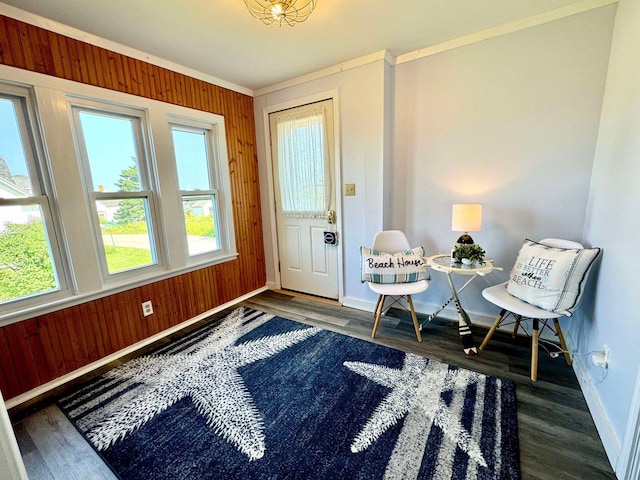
(220, 39)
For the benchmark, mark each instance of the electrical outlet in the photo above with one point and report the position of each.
(601, 358)
(147, 308)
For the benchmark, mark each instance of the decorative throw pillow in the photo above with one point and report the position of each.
(402, 267)
(549, 277)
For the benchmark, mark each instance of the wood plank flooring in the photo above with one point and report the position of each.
(558, 439)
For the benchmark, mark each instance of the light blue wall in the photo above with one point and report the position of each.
(613, 222)
(511, 123)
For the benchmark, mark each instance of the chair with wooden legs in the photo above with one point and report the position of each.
(521, 311)
(392, 241)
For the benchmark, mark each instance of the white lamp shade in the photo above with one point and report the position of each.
(466, 217)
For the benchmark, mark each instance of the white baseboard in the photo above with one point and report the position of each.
(44, 388)
(358, 304)
(423, 308)
(605, 430)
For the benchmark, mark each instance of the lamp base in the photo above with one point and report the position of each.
(465, 238)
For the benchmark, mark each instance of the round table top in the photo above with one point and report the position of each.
(443, 263)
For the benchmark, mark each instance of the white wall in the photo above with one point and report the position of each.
(510, 123)
(613, 223)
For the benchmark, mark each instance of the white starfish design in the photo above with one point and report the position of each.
(415, 395)
(207, 373)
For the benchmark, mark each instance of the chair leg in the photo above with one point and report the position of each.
(415, 320)
(563, 344)
(378, 314)
(534, 349)
(516, 327)
(375, 310)
(493, 328)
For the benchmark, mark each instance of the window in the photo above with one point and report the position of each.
(116, 173)
(30, 262)
(198, 179)
(105, 227)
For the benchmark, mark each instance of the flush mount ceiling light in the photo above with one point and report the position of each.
(281, 11)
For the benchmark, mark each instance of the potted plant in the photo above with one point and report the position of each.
(469, 253)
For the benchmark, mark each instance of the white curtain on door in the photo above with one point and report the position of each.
(303, 169)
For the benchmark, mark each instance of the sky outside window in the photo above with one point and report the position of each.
(111, 148)
(10, 141)
(192, 160)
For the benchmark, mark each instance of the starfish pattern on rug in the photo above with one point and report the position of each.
(208, 374)
(415, 395)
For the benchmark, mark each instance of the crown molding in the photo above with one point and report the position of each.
(53, 26)
(511, 27)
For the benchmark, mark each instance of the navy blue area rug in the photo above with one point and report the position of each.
(262, 397)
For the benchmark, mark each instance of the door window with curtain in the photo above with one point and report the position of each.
(303, 169)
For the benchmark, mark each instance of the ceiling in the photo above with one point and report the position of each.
(220, 39)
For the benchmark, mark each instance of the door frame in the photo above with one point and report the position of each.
(337, 180)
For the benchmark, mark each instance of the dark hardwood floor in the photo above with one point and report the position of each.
(558, 439)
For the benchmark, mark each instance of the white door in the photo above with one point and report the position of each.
(303, 163)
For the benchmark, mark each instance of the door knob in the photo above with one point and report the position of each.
(330, 216)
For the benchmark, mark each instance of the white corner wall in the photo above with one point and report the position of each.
(613, 223)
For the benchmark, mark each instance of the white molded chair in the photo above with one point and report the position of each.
(393, 241)
(520, 310)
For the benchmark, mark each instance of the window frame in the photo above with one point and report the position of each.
(42, 194)
(219, 184)
(148, 188)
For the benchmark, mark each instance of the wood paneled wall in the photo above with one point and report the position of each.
(40, 349)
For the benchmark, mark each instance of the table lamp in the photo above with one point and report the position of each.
(466, 217)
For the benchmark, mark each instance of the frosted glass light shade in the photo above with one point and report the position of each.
(466, 217)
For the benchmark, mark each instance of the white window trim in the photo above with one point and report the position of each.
(220, 181)
(148, 190)
(42, 192)
(51, 96)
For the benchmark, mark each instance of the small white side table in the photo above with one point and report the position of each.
(443, 263)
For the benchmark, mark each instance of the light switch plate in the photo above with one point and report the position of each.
(349, 189)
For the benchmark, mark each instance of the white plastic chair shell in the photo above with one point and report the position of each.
(393, 241)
